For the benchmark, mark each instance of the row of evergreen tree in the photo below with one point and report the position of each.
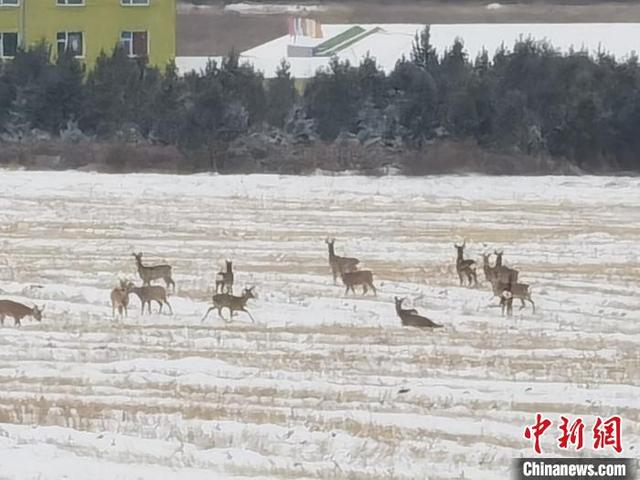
(530, 99)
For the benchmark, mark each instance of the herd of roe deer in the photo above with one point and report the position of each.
(503, 280)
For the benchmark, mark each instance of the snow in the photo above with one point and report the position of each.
(322, 385)
(396, 40)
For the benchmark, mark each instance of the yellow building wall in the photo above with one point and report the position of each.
(101, 21)
(9, 19)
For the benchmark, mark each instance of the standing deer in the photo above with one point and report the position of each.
(503, 273)
(120, 298)
(517, 290)
(340, 265)
(410, 317)
(224, 280)
(154, 293)
(149, 273)
(465, 267)
(231, 302)
(359, 277)
(18, 311)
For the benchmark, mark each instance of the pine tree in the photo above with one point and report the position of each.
(281, 95)
(423, 54)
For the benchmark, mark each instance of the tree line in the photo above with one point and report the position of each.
(530, 100)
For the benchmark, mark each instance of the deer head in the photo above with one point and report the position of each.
(249, 293)
(399, 304)
(37, 312)
(126, 285)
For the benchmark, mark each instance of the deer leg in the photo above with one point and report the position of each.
(346, 291)
(16, 322)
(169, 305)
(250, 316)
(533, 305)
(375, 292)
(207, 313)
(364, 289)
(220, 314)
(461, 277)
(522, 302)
(160, 305)
(2, 320)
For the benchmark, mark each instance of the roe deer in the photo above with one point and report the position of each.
(224, 280)
(154, 293)
(149, 273)
(18, 311)
(340, 265)
(465, 267)
(232, 302)
(410, 318)
(359, 277)
(503, 273)
(517, 290)
(120, 298)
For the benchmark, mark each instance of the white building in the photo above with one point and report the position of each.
(387, 43)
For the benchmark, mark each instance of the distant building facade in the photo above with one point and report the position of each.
(146, 28)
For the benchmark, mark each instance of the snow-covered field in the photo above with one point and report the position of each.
(321, 386)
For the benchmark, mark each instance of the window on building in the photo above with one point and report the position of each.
(70, 2)
(135, 43)
(72, 42)
(12, 3)
(135, 2)
(8, 44)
